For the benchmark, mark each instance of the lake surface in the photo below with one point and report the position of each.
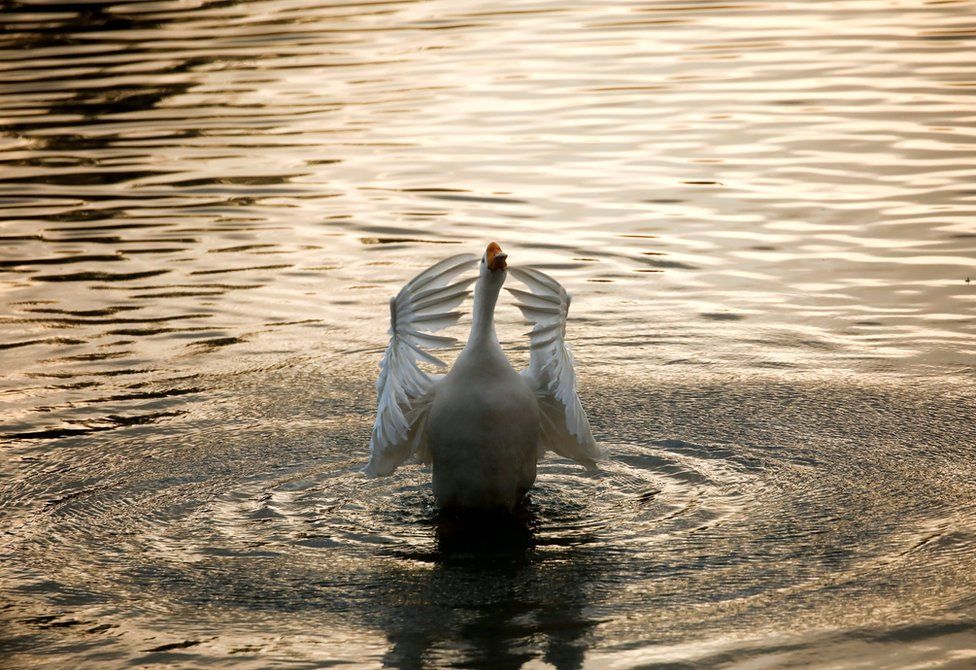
(766, 213)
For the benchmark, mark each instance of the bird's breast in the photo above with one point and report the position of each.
(479, 401)
(483, 434)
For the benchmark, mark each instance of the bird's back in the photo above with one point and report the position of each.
(482, 433)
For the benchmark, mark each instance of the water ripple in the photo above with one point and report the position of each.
(764, 216)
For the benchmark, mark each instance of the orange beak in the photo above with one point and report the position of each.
(495, 257)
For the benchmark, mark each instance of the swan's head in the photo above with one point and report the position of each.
(491, 278)
(493, 263)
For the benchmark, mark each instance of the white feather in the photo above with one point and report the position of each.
(402, 388)
(565, 427)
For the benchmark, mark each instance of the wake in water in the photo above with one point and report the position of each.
(726, 530)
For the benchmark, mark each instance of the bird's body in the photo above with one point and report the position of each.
(483, 438)
(482, 426)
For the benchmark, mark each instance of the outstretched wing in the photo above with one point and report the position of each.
(421, 307)
(564, 426)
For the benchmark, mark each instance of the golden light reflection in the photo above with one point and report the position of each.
(763, 211)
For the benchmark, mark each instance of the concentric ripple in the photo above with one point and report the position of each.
(253, 519)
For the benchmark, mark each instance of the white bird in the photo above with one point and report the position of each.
(482, 426)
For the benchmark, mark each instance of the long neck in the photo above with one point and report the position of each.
(483, 312)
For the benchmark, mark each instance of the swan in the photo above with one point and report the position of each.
(483, 426)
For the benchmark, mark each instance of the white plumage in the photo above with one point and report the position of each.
(482, 426)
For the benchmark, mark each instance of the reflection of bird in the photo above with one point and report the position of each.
(483, 425)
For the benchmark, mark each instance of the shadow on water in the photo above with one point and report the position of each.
(491, 600)
(484, 536)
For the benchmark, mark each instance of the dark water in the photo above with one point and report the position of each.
(767, 217)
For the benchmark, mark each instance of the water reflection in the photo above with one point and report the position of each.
(502, 605)
(761, 211)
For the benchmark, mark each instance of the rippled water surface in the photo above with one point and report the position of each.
(766, 213)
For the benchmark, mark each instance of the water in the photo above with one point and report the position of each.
(766, 216)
